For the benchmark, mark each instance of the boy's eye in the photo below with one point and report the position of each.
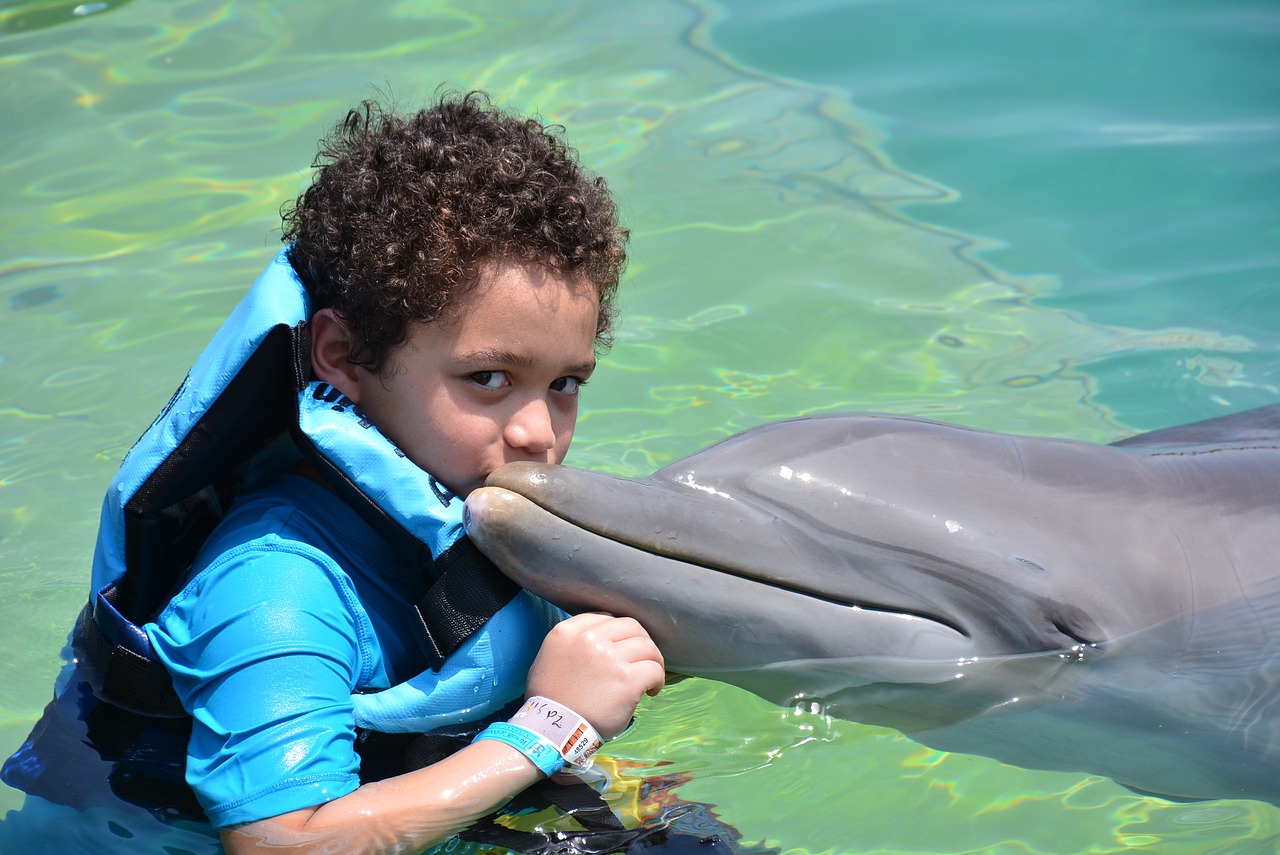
(568, 385)
(490, 379)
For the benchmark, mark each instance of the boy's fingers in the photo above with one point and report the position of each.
(637, 649)
(612, 628)
(655, 679)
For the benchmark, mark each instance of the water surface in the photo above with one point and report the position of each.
(1024, 215)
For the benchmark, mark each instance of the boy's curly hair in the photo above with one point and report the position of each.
(403, 212)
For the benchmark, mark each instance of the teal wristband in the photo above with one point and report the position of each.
(536, 747)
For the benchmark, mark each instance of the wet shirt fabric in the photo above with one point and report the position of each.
(293, 605)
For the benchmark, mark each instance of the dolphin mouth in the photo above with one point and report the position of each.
(705, 622)
(809, 593)
(574, 498)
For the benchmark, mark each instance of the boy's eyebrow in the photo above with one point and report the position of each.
(494, 356)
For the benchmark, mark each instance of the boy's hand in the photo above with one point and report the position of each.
(598, 666)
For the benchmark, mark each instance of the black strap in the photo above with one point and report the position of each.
(468, 591)
(129, 680)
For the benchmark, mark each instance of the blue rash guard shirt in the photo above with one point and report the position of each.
(293, 604)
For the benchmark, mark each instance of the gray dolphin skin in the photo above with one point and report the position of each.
(1112, 610)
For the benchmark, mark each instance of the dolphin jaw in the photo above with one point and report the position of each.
(498, 521)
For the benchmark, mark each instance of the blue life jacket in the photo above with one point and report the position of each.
(245, 413)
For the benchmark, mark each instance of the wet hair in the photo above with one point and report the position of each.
(405, 211)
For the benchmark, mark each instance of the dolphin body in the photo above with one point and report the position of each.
(1053, 604)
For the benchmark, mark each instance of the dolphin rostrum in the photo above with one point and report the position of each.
(1053, 604)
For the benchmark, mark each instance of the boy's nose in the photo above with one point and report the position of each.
(530, 428)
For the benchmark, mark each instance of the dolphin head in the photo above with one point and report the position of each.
(1052, 604)
(844, 558)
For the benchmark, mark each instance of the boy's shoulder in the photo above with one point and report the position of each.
(290, 534)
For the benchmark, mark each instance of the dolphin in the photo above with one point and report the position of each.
(1054, 604)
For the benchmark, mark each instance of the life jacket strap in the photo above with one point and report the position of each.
(468, 591)
(134, 680)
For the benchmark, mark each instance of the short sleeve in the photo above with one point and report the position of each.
(265, 646)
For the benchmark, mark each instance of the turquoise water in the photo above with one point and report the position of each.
(1129, 153)
(1042, 217)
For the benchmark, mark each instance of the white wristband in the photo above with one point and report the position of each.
(571, 734)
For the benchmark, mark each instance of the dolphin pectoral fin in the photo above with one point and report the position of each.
(899, 706)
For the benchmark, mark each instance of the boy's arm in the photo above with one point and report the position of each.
(597, 665)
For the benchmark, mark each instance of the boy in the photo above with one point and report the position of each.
(460, 271)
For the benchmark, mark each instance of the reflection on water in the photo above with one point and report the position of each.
(783, 264)
(24, 16)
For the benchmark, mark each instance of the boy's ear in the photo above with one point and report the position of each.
(331, 345)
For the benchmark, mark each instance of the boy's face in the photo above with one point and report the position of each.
(497, 384)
